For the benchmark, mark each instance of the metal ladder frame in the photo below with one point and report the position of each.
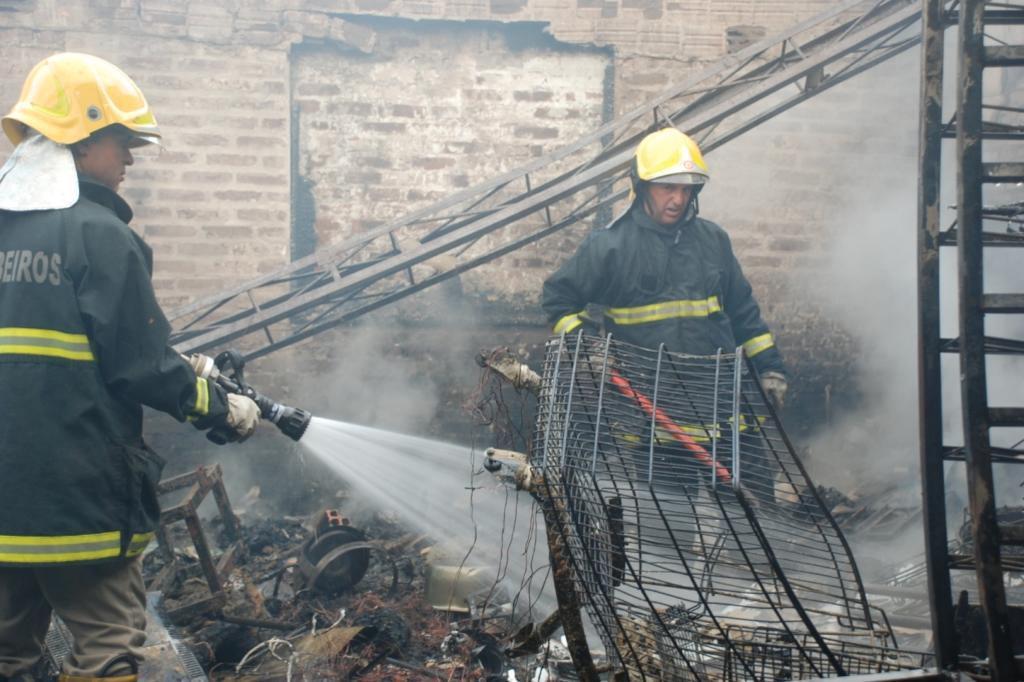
(972, 345)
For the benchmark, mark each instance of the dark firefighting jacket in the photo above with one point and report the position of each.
(681, 286)
(83, 345)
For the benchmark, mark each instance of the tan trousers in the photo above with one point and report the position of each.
(103, 605)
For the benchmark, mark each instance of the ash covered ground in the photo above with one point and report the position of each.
(275, 624)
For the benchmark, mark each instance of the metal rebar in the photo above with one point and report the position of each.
(735, 424)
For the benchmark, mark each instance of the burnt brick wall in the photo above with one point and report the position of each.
(434, 109)
(215, 203)
(377, 133)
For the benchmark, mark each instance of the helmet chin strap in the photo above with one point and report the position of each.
(645, 197)
(692, 207)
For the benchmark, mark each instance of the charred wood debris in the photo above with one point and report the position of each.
(264, 596)
(315, 598)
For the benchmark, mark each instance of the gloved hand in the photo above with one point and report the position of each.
(775, 385)
(241, 419)
(243, 416)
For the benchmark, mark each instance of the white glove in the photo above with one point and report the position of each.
(775, 385)
(243, 415)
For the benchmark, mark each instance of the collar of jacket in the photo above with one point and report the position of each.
(104, 196)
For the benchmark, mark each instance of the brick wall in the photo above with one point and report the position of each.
(436, 108)
(214, 203)
(403, 101)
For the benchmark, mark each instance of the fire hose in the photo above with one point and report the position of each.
(665, 422)
(292, 421)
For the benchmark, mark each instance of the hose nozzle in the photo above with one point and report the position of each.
(292, 421)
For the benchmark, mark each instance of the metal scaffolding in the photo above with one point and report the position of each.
(698, 544)
(472, 227)
(976, 122)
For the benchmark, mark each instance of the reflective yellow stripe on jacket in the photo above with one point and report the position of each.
(45, 342)
(202, 407)
(757, 344)
(52, 549)
(665, 310)
(567, 323)
(139, 543)
(701, 434)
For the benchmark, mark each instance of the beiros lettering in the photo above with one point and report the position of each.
(22, 275)
(30, 267)
(40, 266)
(9, 258)
(54, 269)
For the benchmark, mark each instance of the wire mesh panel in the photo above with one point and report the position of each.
(699, 545)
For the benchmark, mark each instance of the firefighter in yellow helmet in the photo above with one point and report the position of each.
(83, 346)
(664, 274)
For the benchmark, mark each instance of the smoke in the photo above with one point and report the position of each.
(375, 382)
(406, 371)
(821, 205)
(865, 289)
(398, 369)
(870, 289)
(392, 431)
(870, 449)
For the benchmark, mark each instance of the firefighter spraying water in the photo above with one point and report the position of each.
(84, 346)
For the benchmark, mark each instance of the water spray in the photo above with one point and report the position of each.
(292, 421)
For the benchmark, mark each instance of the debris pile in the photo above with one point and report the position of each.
(318, 597)
(307, 598)
(873, 511)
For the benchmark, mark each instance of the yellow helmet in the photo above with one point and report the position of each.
(69, 96)
(669, 156)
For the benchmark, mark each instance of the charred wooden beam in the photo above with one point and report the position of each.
(530, 638)
(200, 483)
(562, 574)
